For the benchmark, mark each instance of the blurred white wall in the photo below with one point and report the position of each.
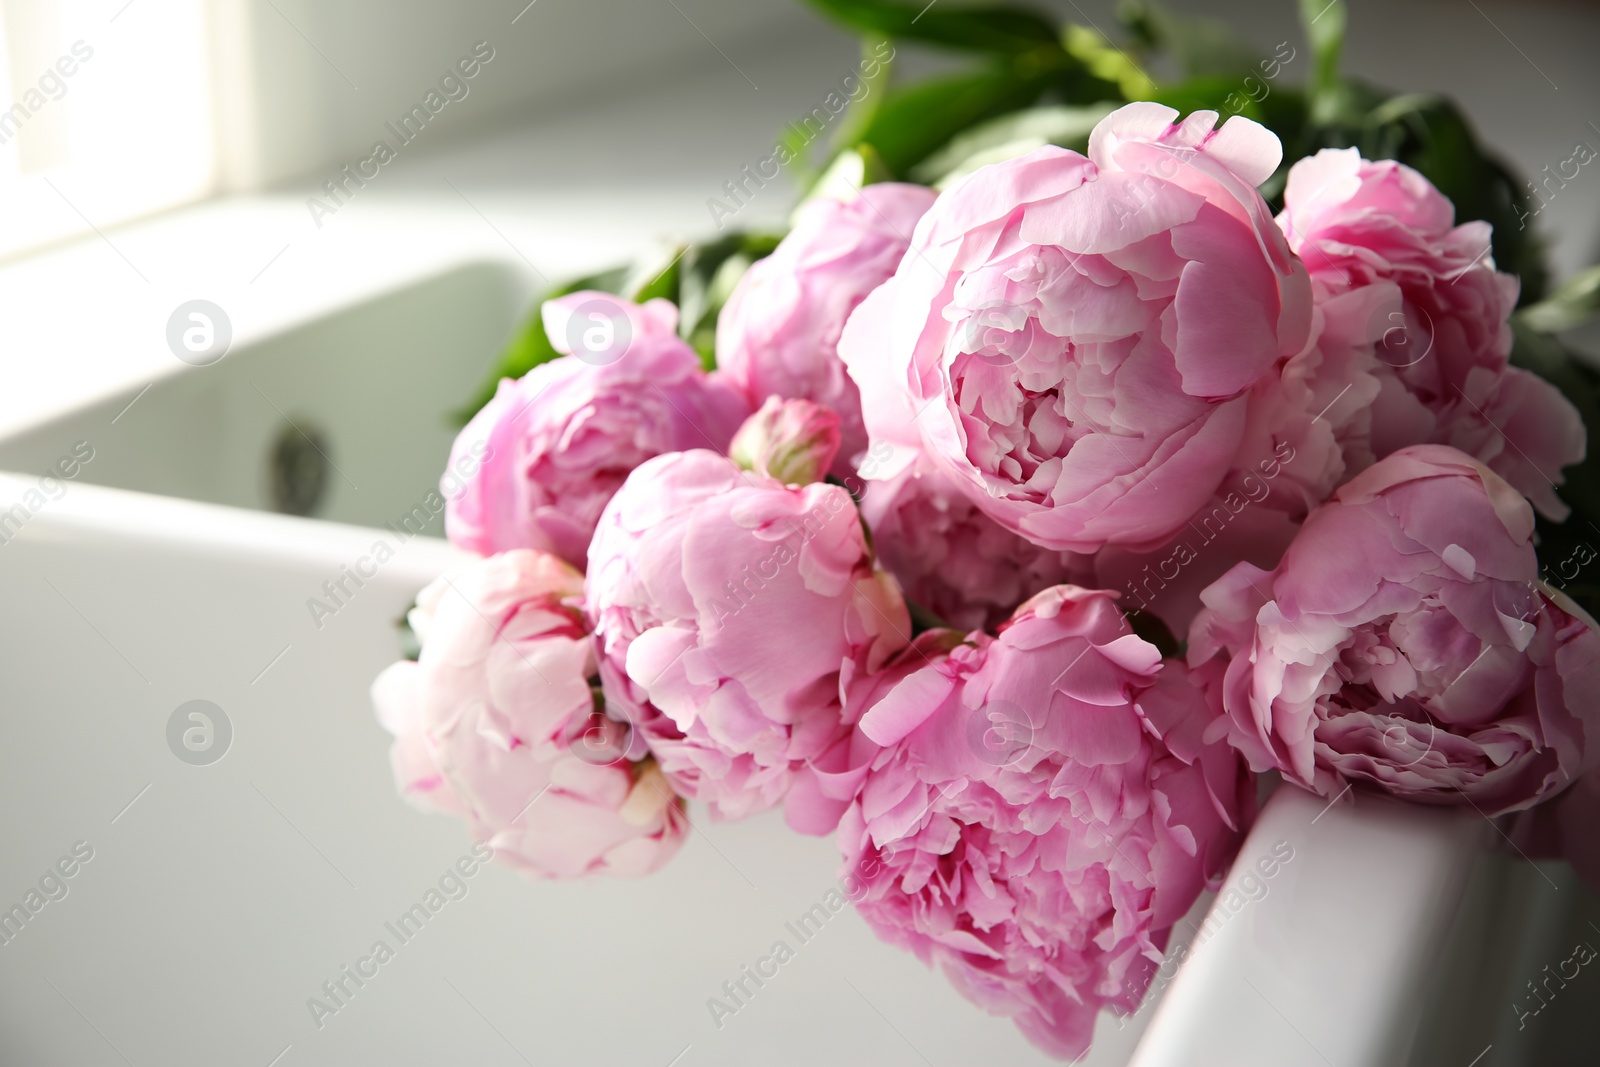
(302, 84)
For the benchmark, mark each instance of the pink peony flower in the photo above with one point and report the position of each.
(731, 611)
(953, 559)
(778, 334)
(827, 786)
(1024, 825)
(544, 456)
(1421, 300)
(497, 722)
(413, 757)
(1073, 339)
(1403, 641)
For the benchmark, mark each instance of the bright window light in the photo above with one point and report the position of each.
(105, 114)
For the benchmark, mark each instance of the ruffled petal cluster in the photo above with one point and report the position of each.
(1025, 825)
(732, 611)
(1405, 642)
(951, 557)
(1416, 329)
(497, 722)
(541, 459)
(1073, 339)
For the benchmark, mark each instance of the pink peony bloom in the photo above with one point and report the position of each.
(731, 612)
(778, 334)
(953, 559)
(1420, 299)
(1026, 828)
(1403, 640)
(413, 757)
(1073, 340)
(543, 457)
(826, 788)
(497, 722)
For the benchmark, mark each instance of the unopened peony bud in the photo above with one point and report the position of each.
(650, 796)
(792, 441)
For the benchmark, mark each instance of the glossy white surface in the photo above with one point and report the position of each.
(1322, 944)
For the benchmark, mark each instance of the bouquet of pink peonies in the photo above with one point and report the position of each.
(1008, 522)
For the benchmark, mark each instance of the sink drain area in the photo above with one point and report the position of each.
(297, 468)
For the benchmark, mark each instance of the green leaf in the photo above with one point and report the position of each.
(1028, 59)
(1010, 136)
(916, 121)
(850, 171)
(873, 168)
(1323, 21)
(1203, 47)
(1108, 62)
(1575, 303)
(966, 27)
(661, 277)
(875, 86)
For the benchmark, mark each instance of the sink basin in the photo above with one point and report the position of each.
(235, 862)
(221, 896)
(373, 386)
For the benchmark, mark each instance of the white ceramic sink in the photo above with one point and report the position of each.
(374, 385)
(221, 897)
(224, 897)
